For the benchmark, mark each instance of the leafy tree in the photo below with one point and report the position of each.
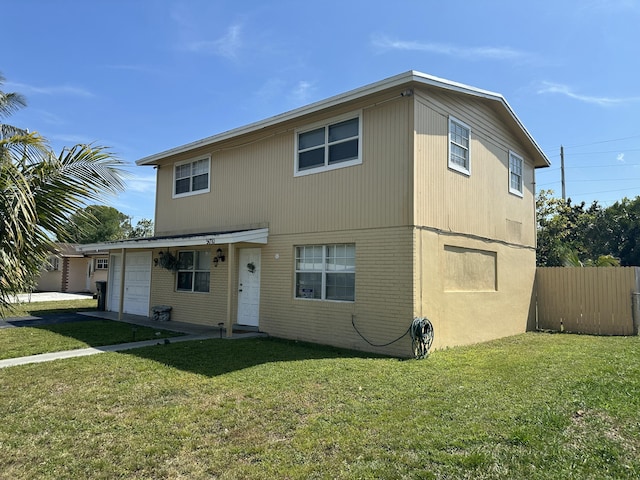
(100, 223)
(572, 235)
(40, 190)
(619, 231)
(93, 224)
(563, 229)
(143, 228)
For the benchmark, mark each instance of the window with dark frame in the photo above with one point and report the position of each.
(102, 263)
(194, 271)
(326, 272)
(332, 145)
(191, 177)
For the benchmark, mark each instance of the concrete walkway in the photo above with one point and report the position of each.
(83, 352)
(192, 333)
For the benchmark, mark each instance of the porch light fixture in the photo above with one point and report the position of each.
(218, 258)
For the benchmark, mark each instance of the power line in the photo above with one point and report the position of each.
(604, 141)
(605, 165)
(598, 142)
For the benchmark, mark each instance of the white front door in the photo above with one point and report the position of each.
(137, 283)
(249, 286)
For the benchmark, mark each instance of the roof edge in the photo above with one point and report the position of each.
(259, 235)
(411, 76)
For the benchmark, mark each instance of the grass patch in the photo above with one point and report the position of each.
(24, 341)
(47, 308)
(534, 406)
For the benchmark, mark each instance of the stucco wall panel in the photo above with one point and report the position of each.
(465, 317)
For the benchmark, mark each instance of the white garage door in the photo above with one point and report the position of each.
(137, 283)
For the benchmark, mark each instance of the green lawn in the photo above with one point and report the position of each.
(24, 341)
(527, 407)
(44, 308)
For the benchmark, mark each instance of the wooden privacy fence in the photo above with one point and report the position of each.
(593, 300)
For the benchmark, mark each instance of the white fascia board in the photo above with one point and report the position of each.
(397, 80)
(258, 236)
(391, 82)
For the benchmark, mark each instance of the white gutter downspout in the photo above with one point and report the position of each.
(122, 269)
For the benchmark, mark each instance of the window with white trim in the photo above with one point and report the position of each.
(194, 271)
(102, 263)
(328, 146)
(191, 177)
(326, 272)
(515, 174)
(53, 264)
(459, 146)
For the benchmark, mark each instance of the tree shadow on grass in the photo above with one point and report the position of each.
(216, 357)
(91, 331)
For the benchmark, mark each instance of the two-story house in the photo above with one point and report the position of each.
(341, 221)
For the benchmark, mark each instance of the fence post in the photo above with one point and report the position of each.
(635, 311)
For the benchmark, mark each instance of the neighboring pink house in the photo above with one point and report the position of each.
(70, 271)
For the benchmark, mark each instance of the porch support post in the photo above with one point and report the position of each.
(122, 269)
(231, 286)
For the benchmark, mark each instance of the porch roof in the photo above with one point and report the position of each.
(259, 236)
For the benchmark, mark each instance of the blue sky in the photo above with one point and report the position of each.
(145, 76)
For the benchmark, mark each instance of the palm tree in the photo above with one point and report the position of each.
(40, 190)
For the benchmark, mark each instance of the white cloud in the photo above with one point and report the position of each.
(50, 90)
(302, 91)
(557, 88)
(384, 43)
(142, 183)
(70, 139)
(226, 46)
(276, 89)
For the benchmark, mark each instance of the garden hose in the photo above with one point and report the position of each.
(421, 331)
(421, 336)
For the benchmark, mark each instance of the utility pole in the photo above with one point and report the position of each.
(564, 192)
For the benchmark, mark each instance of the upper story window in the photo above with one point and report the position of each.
(515, 174)
(102, 263)
(191, 177)
(459, 143)
(327, 146)
(194, 271)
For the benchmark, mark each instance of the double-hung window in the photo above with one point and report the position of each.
(191, 177)
(194, 270)
(515, 174)
(53, 263)
(326, 272)
(328, 146)
(459, 143)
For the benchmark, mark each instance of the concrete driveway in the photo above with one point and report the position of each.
(49, 297)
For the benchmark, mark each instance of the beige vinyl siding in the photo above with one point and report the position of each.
(201, 308)
(265, 191)
(479, 204)
(383, 307)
